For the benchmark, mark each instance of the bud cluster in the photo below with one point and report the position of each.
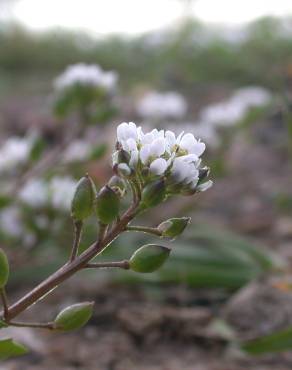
(160, 159)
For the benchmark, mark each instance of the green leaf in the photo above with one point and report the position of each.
(275, 342)
(74, 317)
(4, 269)
(9, 348)
(149, 258)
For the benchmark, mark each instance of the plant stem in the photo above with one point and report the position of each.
(4, 302)
(144, 229)
(70, 268)
(77, 237)
(47, 325)
(119, 264)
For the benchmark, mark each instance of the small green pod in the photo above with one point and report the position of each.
(4, 269)
(149, 258)
(173, 227)
(74, 317)
(83, 200)
(107, 205)
(153, 194)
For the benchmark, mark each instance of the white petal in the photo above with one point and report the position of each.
(205, 186)
(134, 158)
(158, 147)
(145, 153)
(158, 166)
(121, 131)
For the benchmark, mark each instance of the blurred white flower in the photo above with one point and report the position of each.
(78, 150)
(14, 151)
(10, 221)
(162, 105)
(34, 193)
(86, 75)
(61, 191)
(235, 108)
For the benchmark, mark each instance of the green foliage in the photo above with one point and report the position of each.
(10, 348)
(275, 342)
(4, 269)
(149, 258)
(74, 317)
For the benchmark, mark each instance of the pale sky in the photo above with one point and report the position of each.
(135, 16)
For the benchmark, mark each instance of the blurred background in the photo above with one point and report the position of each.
(221, 70)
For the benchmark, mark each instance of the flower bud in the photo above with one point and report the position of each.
(149, 258)
(203, 173)
(123, 156)
(4, 269)
(124, 170)
(204, 186)
(83, 200)
(173, 227)
(107, 205)
(74, 317)
(118, 185)
(153, 194)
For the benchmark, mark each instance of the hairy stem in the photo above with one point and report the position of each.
(119, 264)
(40, 325)
(144, 229)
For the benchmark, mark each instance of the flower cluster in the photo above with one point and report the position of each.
(86, 75)
(160, 154)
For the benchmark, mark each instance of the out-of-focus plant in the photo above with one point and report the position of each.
(86, 90)
(154, 166)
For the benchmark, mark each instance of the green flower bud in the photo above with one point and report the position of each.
(118, 185)
(149, 258)
(107, 205)
(124, 170)
(173, 227)
(153, 194)
(74, 317)
(83, 200)
(203, 173)
(123, 156)
(4, 269)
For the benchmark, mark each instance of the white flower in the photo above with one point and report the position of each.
(86, 75)
(161, 153)
(10, 221)
(34, 193)
(61, 191)
(78, 150)
(162, 105)
(14, 151)
(158, 166)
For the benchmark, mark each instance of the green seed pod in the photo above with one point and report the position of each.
(83, 200)
(173, 227)
(74, 317)
(149, 258)
(4, 269)
(153, 194)
(107, 205)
